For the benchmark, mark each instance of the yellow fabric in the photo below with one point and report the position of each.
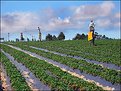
(89, 36)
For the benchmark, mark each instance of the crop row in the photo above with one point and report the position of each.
(107, 59)
(107, 51)
(18, 82)
(90, 68)
(108, 46)
(61, 81)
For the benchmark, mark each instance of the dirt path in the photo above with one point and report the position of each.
(5, 80)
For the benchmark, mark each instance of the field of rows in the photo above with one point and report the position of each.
(64, 65)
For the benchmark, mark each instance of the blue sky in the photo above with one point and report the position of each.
(70, 17)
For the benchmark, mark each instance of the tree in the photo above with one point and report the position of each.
(27, 39)
(86, 36)
(61, 36)
(49, 37)
(77, 37)
(17, 39)
(96, 33)
(54, 37)
(83, 36)
(104, 37)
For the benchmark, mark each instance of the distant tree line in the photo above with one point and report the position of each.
(80, 36)
(61, 36)
(50, 37)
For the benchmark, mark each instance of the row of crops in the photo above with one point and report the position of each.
(17, 81)
(106, 50)
(110, 75)
(50, 75)
(58, 79)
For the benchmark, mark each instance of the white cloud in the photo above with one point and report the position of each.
(103, 23)
(66, 20)
(117, 24)
(18, 21)
(118, 15)
(106, 8)
(49, 20)
(117, 18)
(86, 12)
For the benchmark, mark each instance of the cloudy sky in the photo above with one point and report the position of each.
(70, 17)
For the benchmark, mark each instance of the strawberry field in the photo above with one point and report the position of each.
(63, 65)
